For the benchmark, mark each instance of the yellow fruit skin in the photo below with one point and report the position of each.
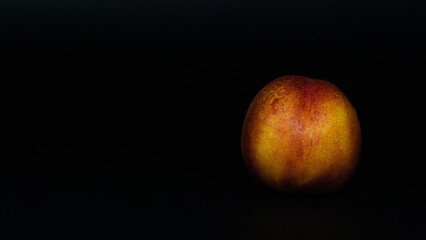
(301, 136)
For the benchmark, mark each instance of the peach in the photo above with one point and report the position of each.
(301, 136)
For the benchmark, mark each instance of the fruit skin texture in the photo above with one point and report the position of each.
(301, 136)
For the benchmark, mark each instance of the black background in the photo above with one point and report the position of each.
(122, 119)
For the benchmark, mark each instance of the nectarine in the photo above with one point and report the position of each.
(301, 136)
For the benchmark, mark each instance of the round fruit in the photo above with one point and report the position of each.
(301, 136)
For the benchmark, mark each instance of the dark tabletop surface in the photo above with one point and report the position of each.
(123, 119)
